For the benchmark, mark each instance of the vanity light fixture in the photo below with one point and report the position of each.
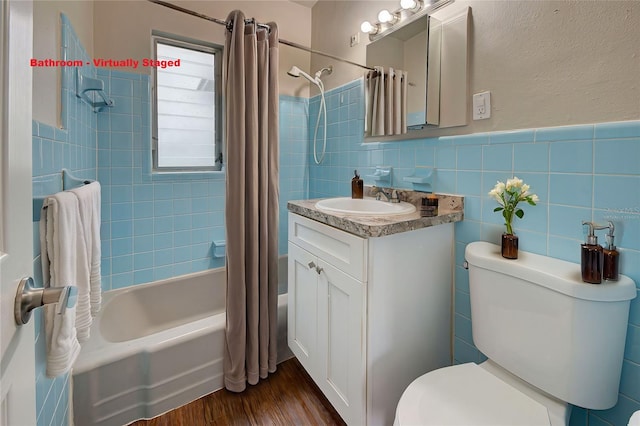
(387, 19)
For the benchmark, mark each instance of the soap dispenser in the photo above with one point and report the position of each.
(357, 186)
(611, 257)
(591, 257)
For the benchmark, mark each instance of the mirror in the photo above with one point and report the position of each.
(433, 51)
(398, 50)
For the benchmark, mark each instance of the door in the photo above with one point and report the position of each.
(302, 308)
(342, 337)
(17, 365)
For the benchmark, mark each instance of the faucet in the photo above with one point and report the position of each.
(391, 196)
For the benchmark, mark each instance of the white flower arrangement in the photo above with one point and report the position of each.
(508, 196)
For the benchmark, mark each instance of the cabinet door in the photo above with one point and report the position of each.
(302, 307)
(342, 340)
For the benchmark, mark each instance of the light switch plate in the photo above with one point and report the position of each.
(354, 39)
(482, 105)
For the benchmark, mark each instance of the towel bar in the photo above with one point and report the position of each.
(87, 84)
(67, 181)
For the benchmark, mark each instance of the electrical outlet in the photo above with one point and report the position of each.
(355, 39)
(482, 105)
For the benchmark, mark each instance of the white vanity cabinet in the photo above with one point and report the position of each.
(368, 315)
(328, 310)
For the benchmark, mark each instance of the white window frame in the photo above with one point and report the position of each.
(201, 46)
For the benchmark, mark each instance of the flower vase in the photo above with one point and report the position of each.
(509, 246)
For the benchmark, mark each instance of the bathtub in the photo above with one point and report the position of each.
(155, 347)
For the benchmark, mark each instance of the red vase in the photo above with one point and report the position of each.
(509, 246)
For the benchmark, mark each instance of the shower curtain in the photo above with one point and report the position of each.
(386, 102)
(251, 101)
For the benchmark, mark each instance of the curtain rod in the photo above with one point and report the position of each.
(229, 27)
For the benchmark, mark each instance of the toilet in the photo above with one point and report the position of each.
(550, 339)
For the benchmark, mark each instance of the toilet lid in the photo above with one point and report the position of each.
(467, 394)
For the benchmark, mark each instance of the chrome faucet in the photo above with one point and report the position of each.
(391, 196)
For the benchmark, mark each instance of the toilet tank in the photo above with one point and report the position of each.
(536, 318)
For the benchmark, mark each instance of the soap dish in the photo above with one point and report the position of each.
(421, 179)
(219, 248)
(382, 175)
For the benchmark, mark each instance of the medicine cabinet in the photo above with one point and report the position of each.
(434, 51)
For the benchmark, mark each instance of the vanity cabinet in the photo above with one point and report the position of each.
(366, 316)
(327, 315)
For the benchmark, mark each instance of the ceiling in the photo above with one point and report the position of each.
(306, 3)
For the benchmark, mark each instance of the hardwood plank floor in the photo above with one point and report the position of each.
(287, 397)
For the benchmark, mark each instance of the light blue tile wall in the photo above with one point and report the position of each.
(344, 151)
(586, 172)
(73, 147)
(294, 150)
(153, 226)
(160, 226)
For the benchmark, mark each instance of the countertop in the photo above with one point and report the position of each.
(450, 209)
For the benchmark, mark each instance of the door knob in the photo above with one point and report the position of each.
(312, 265)
(29, 297)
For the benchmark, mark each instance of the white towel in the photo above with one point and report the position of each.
(64, 262)
(89, 201)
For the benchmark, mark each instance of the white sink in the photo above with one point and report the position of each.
(364, 207)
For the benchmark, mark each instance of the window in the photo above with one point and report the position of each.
(187, 105)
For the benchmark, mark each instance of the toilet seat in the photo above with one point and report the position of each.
(467, 394)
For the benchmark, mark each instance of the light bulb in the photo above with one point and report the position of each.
(408, 4)
(412, 6)
(367, 27)
(385, 16)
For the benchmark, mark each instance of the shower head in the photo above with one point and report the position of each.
(297, 72)
(294, 71)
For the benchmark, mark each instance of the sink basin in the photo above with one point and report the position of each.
(364, 207)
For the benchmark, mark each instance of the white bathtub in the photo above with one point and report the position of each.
(157, 346)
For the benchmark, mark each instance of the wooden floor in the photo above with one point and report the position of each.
(287, 397)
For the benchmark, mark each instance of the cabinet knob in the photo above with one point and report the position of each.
(312, 265)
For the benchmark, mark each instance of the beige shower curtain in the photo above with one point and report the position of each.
(251, 100)
(386, 102)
